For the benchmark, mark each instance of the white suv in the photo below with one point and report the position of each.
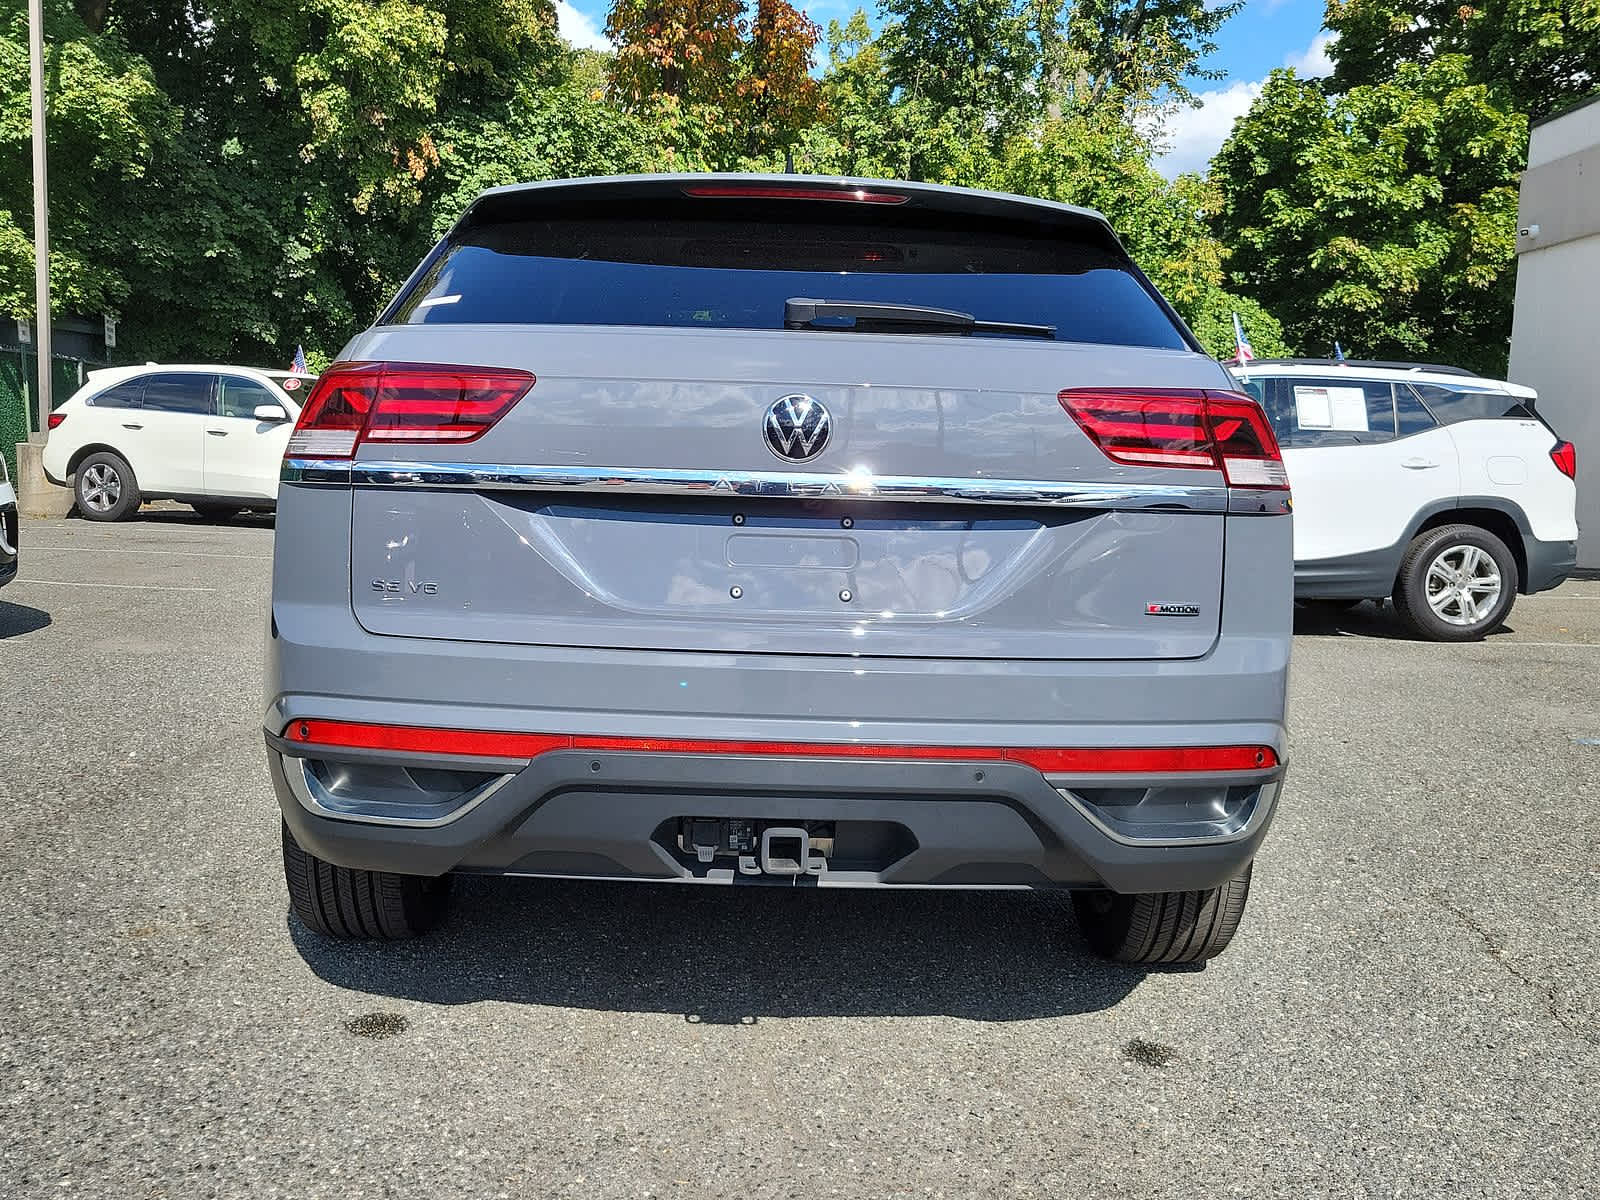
(8, 526)
(1429, 484)
(209, 436)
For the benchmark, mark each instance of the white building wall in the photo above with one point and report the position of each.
(1555, 333)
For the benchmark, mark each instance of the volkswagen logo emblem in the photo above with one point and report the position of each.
(797, 427)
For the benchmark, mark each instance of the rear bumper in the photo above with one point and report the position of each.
(1371, 576)
(617, 815)
(597, 813)
(1550, 564)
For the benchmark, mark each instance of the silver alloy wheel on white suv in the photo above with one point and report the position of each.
(106, 488)
(1456, 583)
(102, 487)
(1463, 585)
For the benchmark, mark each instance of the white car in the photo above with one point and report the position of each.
(1431, 485)
(209, 436)
(8, 526)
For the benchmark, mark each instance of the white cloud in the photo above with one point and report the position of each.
(1194, 135)
(1313, 62)
(578, 29)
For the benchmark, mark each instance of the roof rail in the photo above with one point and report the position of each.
(1436, 368)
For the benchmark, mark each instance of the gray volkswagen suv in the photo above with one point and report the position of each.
(780, 531)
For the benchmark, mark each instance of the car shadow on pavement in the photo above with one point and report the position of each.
(187, 516)
(165, 513)
(1366, 619)
(735, 955)
(17, 619)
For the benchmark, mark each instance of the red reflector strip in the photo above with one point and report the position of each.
(756, 191)
(1077, 761)
(470, 742)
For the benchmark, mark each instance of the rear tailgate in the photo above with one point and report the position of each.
(633, 498)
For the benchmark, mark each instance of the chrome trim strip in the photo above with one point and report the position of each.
(773, 485)
(1259, 812)
(315, 798)
(334, 472)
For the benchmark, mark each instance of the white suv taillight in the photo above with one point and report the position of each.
(1180, 427)
(1565, 457)
(358, 402)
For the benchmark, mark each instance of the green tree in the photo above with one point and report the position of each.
(1536, 55)
(541, 133)
(1384, 218)
(107, 118)
(987, 113)
(1099, 161)
(865, 131)
(722, 89)
(778, 97)
(1134, 51)
(972, 56)
(682, 51)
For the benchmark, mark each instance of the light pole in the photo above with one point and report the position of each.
(41, 218)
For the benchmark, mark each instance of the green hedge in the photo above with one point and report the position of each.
(18, 377)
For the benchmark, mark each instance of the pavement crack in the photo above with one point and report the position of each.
(1496, 951)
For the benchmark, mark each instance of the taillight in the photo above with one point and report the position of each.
(1245, 442)
(55, 418)
(1179, 427)
(1565, 457)
(402, 402)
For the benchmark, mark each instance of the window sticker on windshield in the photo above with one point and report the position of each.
(290, 385)
(1336, 408)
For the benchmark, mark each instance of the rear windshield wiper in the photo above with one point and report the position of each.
(800, 312)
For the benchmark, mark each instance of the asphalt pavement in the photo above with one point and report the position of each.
(1409, 1010)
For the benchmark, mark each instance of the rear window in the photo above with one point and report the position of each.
(721, 273)
(128, 394)
(1464, 402)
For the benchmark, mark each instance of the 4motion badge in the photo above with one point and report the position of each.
(1172, 610)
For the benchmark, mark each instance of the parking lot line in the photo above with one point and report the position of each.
(134, 587)
(1562, 645)
(157, 550)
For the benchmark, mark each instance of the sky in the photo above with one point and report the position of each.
(1264, 35)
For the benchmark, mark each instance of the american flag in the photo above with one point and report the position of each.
(1242, 350)
(298, 366)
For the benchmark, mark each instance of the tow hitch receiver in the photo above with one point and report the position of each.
(785, 851)
(773, 850)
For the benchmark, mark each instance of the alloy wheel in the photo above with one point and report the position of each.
(102, 487)
(1463, 584)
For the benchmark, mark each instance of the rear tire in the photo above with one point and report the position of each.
(1163, 927)
(1445, 564)
(341, 902)
(105, 488)
(217, 512)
